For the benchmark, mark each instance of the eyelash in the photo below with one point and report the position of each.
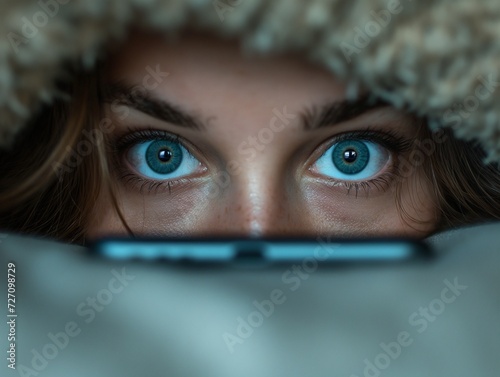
(134, 136)
(395, 144)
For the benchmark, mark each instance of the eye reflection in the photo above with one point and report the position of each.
(352, 160)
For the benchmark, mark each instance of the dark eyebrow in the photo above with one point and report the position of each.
(340, 111)
(142, 100)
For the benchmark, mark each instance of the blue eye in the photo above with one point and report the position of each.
(162, 159)
(352, 160)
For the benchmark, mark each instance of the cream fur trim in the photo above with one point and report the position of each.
(438, 58)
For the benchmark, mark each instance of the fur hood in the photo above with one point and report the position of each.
(439, 59)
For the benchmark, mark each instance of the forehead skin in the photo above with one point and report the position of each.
(272, 193)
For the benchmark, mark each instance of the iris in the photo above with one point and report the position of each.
(164, 156)
(350, 156)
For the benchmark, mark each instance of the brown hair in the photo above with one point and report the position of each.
(464, 188)
(45, 191)
(42, 191)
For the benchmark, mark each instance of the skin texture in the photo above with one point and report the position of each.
(272, 190)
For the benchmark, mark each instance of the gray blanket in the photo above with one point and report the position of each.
(78, 316)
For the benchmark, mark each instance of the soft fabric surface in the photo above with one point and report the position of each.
(167, 321)
(437, 58)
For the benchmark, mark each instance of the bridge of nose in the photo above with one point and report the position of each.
(260, 202)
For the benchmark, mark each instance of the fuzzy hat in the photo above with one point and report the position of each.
(438, 59)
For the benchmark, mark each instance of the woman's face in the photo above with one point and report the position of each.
(208, 141)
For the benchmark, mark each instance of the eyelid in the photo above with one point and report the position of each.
(387, 139)
(390, 140)
(135, 135)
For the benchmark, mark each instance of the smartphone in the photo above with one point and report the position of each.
(230, 251)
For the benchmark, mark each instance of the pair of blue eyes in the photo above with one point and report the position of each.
(346, 160)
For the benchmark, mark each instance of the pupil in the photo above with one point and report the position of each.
(165, 155)
(350, 155)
